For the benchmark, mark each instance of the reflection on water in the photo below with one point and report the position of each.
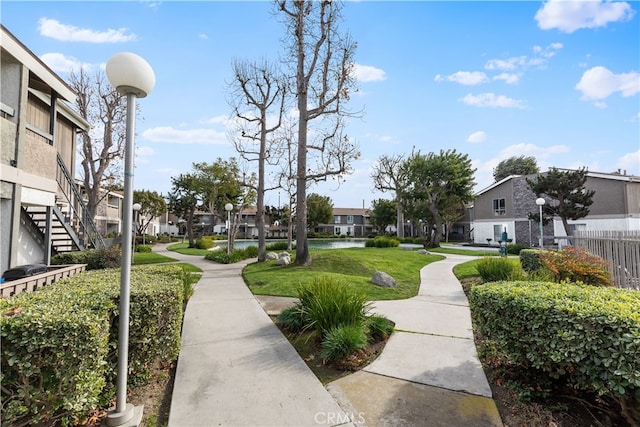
(313, 243)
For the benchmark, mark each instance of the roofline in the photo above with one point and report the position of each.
(23, 54)
(603, 175)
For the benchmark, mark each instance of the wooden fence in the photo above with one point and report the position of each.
(621, 249)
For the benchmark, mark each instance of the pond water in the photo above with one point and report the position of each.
(313, 243)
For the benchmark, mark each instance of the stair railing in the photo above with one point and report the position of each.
(86, 224)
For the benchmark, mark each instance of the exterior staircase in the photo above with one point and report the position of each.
(71, 227)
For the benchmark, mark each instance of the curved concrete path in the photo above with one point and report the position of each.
(236, 368)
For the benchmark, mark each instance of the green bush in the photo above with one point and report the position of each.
(143, 248)
(577, 265)
(342, 341)
(95, 259)
(204, 243)
(378, 327)
(236, 256)
(516, 248)
(329, 303)
(530, 260)
(59, 352)
(493, 269)
(587, 336)
(382, 242)
(53, 359)
(277, 246)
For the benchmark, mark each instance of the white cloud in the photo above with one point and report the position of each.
(203, 36)
(509, 78)
(367, 73)
(492, 100)
(599, 83)
(630, 162)
(69, 33)
(192, 136)
(479, 136)
(145, 151)
(569, 16)
(63, 64)
(508, 64)
(600, 104)
(218, 120)
(467, 78)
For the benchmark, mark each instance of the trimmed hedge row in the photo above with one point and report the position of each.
(59, 344)
(587, 336)
(382, 242)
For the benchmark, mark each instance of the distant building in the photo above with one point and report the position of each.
(505, 205)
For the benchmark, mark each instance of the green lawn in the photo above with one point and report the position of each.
(354, 266)
(183, 248)
(470, 252)
(150, 258)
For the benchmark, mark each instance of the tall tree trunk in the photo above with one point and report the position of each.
(302, 246)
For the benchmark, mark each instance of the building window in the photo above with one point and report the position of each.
(337, 230)
(337, 219)
(497, 232)
(499, 207)
(577, 227)
(349, 219)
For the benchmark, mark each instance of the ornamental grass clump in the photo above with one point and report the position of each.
(342, 341)
(494, 269)
(328, 303)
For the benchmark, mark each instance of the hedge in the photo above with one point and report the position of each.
(588, 336)
(59, 344)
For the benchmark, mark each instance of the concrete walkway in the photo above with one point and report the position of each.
(236, 368)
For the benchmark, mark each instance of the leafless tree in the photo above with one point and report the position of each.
(322, 60)
(388, 175)
(102, 147)
(258, 94)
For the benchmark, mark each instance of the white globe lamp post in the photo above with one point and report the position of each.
(131, 76)
(540, 202)
(228, 207)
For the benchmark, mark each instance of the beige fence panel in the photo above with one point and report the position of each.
(621, 249)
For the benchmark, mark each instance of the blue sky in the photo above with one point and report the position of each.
(556, 80)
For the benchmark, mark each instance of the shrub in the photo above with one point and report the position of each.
(204, 243)
(277, 246)
(143, 248)
(236, 256)
(379, 327)
(382, 242)
(343, 340)
(587, 336)
(493, 269)
(292, 319)
(577, 265)
(59, 349)
(515, 249)
(329, 303)
(95, 259)
(530, 260)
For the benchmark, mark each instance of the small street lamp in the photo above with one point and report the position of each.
(228, 207)
(540, 202)
(131, 76)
